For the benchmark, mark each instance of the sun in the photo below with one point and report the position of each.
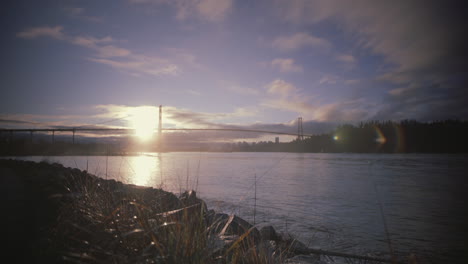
(143, 121)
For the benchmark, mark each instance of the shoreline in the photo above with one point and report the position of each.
(152, 153)
(67, 215)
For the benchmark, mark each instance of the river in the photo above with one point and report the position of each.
(352, 203)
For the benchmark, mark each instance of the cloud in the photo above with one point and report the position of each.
(352, 81)
(242, 90)
(423, 46)
(90, 42)
(75, 11)
(184, 57)
(299, 41)
(398, 91)
(47, 121)
(412, 36)
(193, 92)
(209, 10)
(302, 108)
(344, 111)
(214, 10)
(14, 123)
(80, 13)
(329, 79)
(107, 53)
(346, 58)
(424, 102)
(287, 97)
(112, 51)
(174, 117)
(286, 65)
(36, 32)
(282, 88)
(137, 66)
(346, 61)
(185, 118)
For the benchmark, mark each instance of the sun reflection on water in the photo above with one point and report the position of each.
(145, 170)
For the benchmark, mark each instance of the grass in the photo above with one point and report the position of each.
(81, 218)
(63, 215)
(133, 225)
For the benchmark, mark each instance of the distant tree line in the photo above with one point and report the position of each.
(408, 136)
(23, 146)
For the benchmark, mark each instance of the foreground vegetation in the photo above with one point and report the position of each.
(56, 215)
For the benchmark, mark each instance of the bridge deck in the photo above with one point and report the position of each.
(31, 130)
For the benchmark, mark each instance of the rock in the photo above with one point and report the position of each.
(193, 206)
(266, 249)
(304, 259)
(189, 198)
(161, 201)
(223, 224)
(218, 244)
(269, 233)
(298, 247)
(210, 215)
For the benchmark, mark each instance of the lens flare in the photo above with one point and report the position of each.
(380, 138)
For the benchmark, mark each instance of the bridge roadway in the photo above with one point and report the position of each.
(73, 130)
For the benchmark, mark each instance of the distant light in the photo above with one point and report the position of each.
(381, 140)
(336, 137)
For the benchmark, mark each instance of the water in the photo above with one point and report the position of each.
(328, 201)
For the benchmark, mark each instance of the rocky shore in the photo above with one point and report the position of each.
(54, 214)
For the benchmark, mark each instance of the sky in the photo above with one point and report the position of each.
(231, 63)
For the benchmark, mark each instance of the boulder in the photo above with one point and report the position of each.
(225, 225)
(189, 198)
(269, 233)
(304, 259)
(297, 247)
(193, 205)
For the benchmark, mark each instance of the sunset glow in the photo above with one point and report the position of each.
(143, 121)
(255, 65)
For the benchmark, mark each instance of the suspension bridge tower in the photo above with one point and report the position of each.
(160, 128)
(160, 121)
(300, 131)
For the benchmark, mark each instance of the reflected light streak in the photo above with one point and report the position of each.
(145, 169)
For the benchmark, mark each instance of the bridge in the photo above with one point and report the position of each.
(300, 133)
